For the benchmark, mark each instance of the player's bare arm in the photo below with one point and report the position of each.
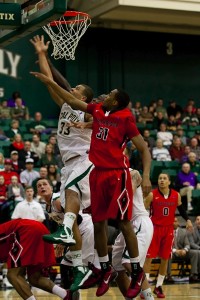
(148, 200)
(136, 179)
(63, 94)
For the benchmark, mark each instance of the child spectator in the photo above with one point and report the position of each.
(15, 190)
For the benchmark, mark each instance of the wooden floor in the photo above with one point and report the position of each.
(172, 292)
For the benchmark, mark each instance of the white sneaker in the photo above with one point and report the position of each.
(190, 206)
(6, 284)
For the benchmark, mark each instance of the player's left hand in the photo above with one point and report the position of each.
(146, 186)
(189, 226)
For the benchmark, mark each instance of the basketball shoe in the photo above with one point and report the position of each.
(106, 278)
(136, 284)
(94, 278)
(80, 275)
(159, 292)
(63, 235)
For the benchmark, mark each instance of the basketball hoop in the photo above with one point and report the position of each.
(66, 32)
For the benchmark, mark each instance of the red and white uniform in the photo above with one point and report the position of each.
(162, 211)
(110, 182)
(22, 245)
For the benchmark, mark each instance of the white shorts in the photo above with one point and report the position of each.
(75, 176)
(87, 233)
(143, 228)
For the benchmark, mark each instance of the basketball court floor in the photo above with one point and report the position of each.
(173, 292)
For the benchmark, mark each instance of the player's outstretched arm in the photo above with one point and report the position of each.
(63, 94)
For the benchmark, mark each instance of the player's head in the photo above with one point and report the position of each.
(116, 99)
(44, 187)
(83, 92)
(163, 180)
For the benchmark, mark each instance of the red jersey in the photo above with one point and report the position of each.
(162, 209)
(110, 133)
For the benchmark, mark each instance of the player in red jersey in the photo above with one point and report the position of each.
(163, 202)
(110, 182)
(24, 250)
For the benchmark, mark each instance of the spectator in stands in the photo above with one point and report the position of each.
(152, 107)
(158, 120)
(194, 236)
(190, 102)
(174, 110)
(172, 123)
(15, 95)
(189, 117)
(164, 135)
(28, 208)
(29, 174)
(2, 159)
(38, 126)
(198, 114)
(160, 108)
(19, 111)
(8, 173)
(137, 108)
(14, 129)
(160, 153)
(53, 141)
(194, 147)
(149, 139)
(17, 166)
(16, 190)
(145, 116)
(184, 158)
(48, 158)
(54, 177)
(17, 144)
(176, 150)
(37, 146)
(3, 190)
(185, 182)
(27, 153)
(182, 251)
(194, 163)
(4, 110)
(181, 134)
(197, 136)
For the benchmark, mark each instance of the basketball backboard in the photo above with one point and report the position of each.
(33, 15)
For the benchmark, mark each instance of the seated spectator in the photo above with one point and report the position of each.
(17, 166)
(137, 110)
(14, 129)
(176, 150)
(152, 107)
(181, 134)
(48, 158)
(38, 126)
(53, 141)
(197, 136)
(15, 190)
(184, 158)
(8, 173)
(19, 111)
(145, 116)
(181, 251)
(174, 110)
(15, 95)
(17, 144)
(194, 163)
(160, 108)
(190, 102)
(160, 153)
(172, 124)
(194, 147)
(158, 120)
(164, 135)
(3, 190)
(198, 114)
(54, 177)
(185, 182)
(2, 159)
(4, 110)
(189, 117)
(3, 136)
(149, 139)
(37, 146)
(194, 236)
(29, 174)
(27, 153)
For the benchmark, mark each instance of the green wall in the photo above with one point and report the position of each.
(139, 62)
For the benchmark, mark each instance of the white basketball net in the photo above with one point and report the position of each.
(65, 34)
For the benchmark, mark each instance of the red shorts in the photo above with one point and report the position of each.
(162, 241)
(28, 248)
(111, 194)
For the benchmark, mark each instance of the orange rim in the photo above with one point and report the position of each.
(71, 14)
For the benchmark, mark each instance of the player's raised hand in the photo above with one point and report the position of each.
(42, 77)
(39, 44)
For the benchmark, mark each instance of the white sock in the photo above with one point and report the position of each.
(160, 280)
(31, 298)
(76, 258)
(148, 294)
(147, 276)
(69, 219)
(103, 259)
(60, 292)
(96, 260)
(4, 272)
(134, 259)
